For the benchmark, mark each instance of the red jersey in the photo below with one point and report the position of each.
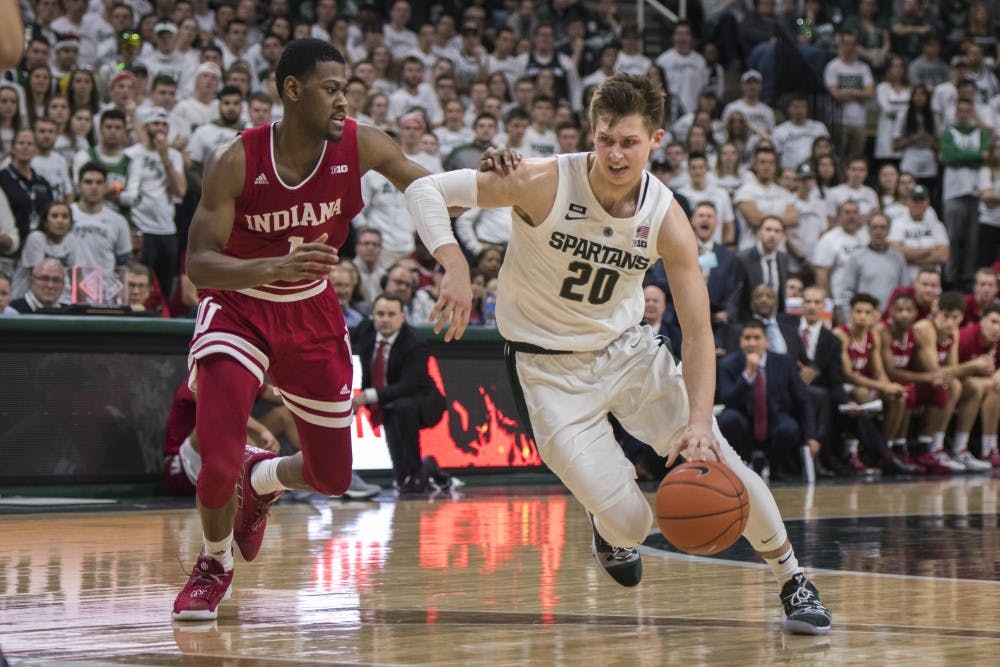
(272, 218)
(971, 344)
(922, 311)
(860, 355)
(902, 350)
(944, 345)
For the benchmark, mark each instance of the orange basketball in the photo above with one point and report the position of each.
(702, 507)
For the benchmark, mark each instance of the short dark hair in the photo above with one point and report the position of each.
(256, 96)
(903, 296)
(989, 310)
(386, 296)
(753, 324)
(93, 166)
(517, 113)
(862, 297)
(300, 57)
(113, 114)
(163, 80)
(230, 90)
(484, 114)
(951, 301)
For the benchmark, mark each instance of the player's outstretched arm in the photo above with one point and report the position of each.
(428, 200)
(213, 223)
(679, 250)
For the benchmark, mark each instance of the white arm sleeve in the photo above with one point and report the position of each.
(428, 199)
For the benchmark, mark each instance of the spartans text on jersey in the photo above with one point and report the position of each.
(592, 251)
(300, 215)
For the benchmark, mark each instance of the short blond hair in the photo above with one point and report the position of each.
(625, 94)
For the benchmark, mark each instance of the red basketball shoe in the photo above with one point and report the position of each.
(208, 585)
(252, 509)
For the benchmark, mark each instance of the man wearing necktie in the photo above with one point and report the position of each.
(400, 394)
(765, 264)
(768, 409)
(781, 331)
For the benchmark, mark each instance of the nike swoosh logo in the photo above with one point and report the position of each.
(582, 217)
(702, 470)
(769, 539)
(782, 561)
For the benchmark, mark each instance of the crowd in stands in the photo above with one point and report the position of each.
(840, 162)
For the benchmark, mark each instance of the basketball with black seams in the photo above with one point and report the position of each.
(702, 507)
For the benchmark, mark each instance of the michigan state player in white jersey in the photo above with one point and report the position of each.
(585, 228)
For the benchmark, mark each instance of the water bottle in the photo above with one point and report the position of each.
(490, 310)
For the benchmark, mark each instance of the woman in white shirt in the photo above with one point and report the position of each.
(893, 97)
(915, 136)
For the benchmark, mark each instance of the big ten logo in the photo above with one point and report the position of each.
(338, 169)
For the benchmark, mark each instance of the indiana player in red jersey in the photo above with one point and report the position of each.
(911, 360)
(981, 343)
(941, 330)
(925, 291)
(984, 294)
(276, 204)
(864, 372)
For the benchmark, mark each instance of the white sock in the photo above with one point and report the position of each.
(938, 441)
(784, 567)
(852, 447)
(264, 477)
(900, 443)
(221, 551)
(989, 444)
(960, 442)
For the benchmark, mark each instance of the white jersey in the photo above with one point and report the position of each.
(580, 270)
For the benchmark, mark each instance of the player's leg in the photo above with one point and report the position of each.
(226, 393)
(940, 403)
(279, 421)
(662, 386)
(562, 401)
(974, 390)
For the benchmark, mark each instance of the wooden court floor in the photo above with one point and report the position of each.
(503, 576)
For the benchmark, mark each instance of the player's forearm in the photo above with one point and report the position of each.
(209, 269)
(698, 352)
(450, 257)
(11, 34)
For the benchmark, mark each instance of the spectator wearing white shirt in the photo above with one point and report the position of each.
(916, 138)
(946, 94)
(503, 59)
(794, 138)
(424, 50)
(813, 221)
(837, 245)
(922, 239)
(51, 165)
(850, 82)
(630, 59)
(762, 197)
(543, 54)
(385, 206)
(699, 190)
(413, 92)
(540, 138)
(854, 189)
(685, 68)
(397, 36)
(207, 138)
(165, 59)
(758, 115)
(198, 109)
(983, 114)
(103, 238)
(155, 179)
(893, 98)
(606, 60)
(325, 12)
(454, 132)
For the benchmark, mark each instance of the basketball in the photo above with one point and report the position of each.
(702, 507)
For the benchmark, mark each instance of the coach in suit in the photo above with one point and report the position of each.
(398, 389)
(765, 264)
(723, 275)
(767, 405)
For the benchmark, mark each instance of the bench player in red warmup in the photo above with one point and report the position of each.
(275, 207)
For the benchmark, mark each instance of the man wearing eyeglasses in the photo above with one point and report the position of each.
(47, 280)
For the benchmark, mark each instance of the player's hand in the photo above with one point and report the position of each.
(813, 445)
(501, 160)
(894, 389)
(984, 365)
(308, 260)
(697, 443)
(268, 441)
(451, 310)
(752, 363)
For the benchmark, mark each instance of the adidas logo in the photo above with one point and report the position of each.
(261, 180)
(345, 389)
